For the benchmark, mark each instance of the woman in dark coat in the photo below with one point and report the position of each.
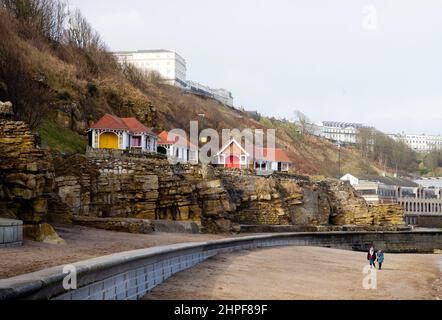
(372, 257)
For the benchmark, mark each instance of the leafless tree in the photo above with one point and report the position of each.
(139, 78)
(47, 17)
(30, 97)
(388, 153)
(80, 33)
(305, 125)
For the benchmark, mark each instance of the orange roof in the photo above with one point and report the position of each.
(134, 125)
(109, 121)
(163, 138)
(266, 154)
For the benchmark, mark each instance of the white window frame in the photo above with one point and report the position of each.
(222, 159)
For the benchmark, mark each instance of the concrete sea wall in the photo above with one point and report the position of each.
(11, 233)
(132, 275)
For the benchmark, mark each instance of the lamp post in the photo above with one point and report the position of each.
(202, 140)
(338, 144)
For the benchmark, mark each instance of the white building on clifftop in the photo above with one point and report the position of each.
(173, 70)
(420, 142)
(169, 64)
(343, 132)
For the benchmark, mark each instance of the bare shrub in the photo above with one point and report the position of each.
(44, 17)
(29, 94)
(26, 90)
(140, 78)
(80, 33)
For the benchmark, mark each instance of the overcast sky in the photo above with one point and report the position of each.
(331, 59)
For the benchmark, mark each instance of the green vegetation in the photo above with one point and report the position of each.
(61, 139)
(424, 171)
(377, 147)
(291, 129)
(431, 163)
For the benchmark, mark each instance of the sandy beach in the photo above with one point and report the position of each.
(305, 273)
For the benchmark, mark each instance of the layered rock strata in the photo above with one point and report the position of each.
(110, 185)
(26, 171)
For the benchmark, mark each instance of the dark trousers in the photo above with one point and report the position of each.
(380, 265)
(373, 263)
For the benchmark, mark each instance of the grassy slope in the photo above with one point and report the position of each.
(61, 139)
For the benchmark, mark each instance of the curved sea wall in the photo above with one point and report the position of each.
(131, 275)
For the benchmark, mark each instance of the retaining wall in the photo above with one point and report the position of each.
(11, 233)
(430, 221)
(131, 275)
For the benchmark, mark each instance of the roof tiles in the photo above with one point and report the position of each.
(112, 122)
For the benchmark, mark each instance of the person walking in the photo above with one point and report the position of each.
(381, 258)
(372, 257)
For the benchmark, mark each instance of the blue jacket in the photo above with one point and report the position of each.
(380, 257)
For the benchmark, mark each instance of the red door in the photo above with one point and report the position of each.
(233, 162)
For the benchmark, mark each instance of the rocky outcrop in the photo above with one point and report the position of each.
(42, 232)
(115, 185)
(26, 171)
(262, 200)
(348, 208)
(138, 226)
(110, 185)
(387, 215)
(298, 202)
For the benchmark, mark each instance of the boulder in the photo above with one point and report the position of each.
(139, 226)
(42, 232)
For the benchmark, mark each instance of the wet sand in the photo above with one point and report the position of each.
(305, 273)
(82, 244)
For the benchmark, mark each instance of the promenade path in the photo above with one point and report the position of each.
(298, 273)
(83, 244)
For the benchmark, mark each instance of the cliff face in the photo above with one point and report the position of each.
(348, 208)
(262, 200)
(26, 172)
(280, 200)
(114, 185)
